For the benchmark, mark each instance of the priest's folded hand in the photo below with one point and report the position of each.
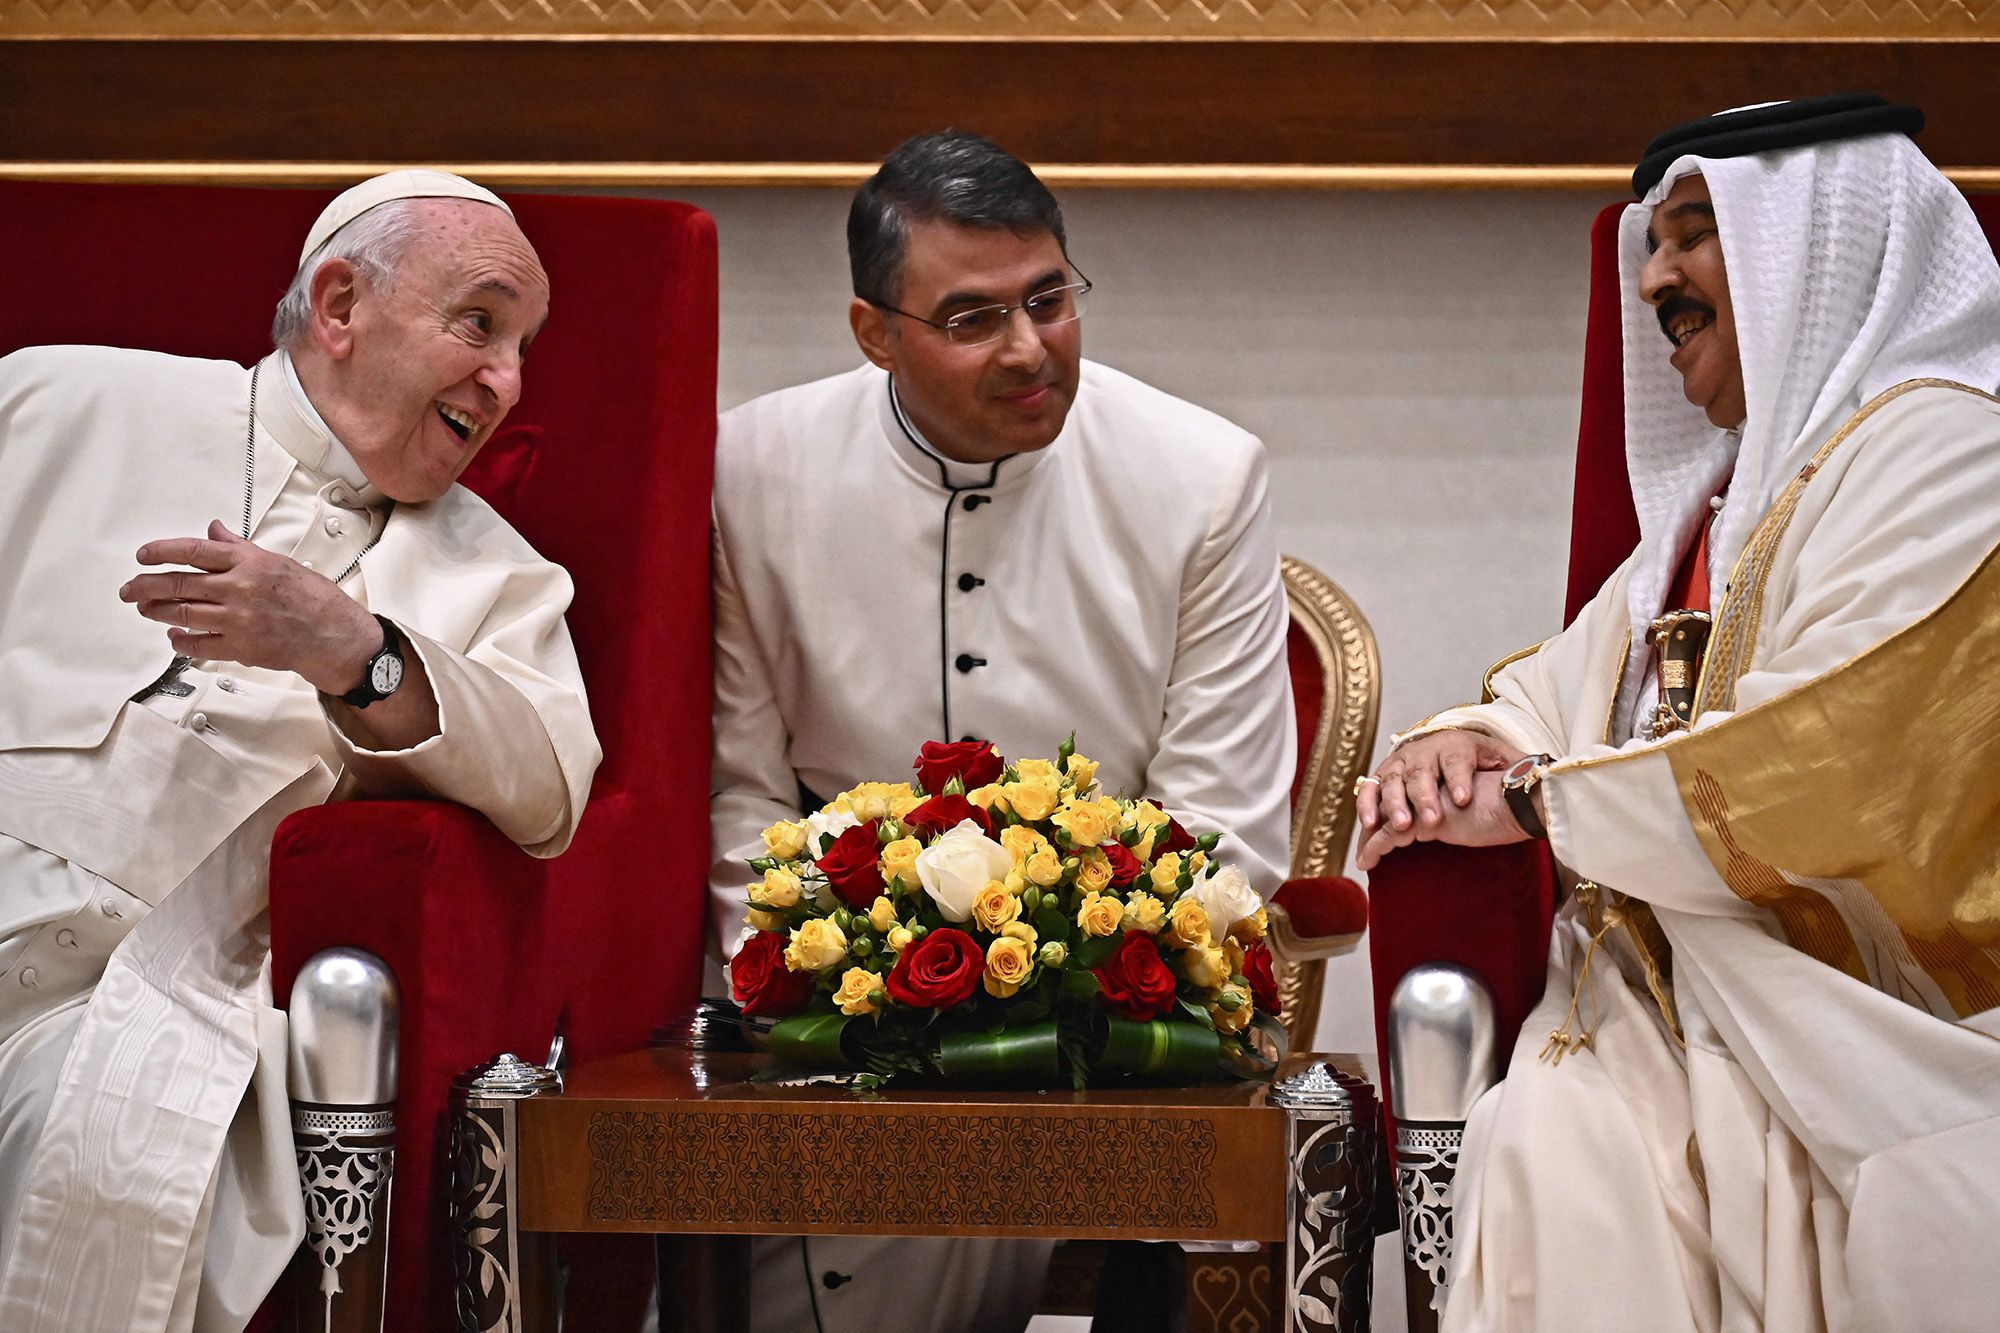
(241, 603)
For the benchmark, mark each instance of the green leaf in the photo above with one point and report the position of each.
(1065, 750)
(1052, 923)
(1079, 985)
(1092, 952)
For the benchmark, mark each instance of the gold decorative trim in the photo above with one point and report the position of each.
(1323, 819)
(846, 175)
(1486, 681)
(1679, 20)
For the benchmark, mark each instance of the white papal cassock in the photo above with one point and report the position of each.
(872, 595)
(140, 1187)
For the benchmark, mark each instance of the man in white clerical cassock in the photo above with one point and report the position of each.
(1762, 1089)
(980, 534)
(359, 626)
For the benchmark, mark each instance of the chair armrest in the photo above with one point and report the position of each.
(1316, 918)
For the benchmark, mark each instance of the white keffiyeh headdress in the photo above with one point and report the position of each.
(1852, 266)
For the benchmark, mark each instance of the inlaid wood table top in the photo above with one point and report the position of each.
(673, 1141)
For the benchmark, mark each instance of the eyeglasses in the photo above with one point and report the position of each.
(982, 324)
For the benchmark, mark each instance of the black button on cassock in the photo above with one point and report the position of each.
(834, 1280)
(972, 502)
(966, 661)
(967, 582)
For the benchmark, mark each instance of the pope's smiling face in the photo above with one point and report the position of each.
(984, 401)
(418, 372)
(1687, 284)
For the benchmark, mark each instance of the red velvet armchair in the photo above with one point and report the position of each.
(1489, 910)
(605, 467)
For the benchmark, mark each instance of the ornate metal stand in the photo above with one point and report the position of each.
(505, 1278)
(344, 1011)
(1442, 1057)
(1334, 1144)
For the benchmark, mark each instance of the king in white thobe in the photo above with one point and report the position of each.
(140, 1188)
(872, 594)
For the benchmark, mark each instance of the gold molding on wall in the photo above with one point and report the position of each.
(1679, 20)
(846, 175)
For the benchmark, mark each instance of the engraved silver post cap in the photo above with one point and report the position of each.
(1443, 1043)
(1323, 1088)
(508, 1076)
(344, 1012)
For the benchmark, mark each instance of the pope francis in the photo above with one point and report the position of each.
(173, 683)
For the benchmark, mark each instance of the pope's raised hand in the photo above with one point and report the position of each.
(240, 603)
(1407, 786)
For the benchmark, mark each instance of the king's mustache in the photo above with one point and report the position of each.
(1674, 307)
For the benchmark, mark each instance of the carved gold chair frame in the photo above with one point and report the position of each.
(1323, 817)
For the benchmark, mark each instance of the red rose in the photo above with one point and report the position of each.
(1263, 986)
(937, 971)
(1134, 982)
(1178, 839)
(853, 865)
(1125, 867)
(973, 763)
(761, 982)
(942, 813)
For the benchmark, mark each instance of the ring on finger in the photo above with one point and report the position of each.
(1366, 780)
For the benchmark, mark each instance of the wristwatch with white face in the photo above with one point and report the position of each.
(384, 673)
(1518, 785)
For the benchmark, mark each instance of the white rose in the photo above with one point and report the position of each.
(835, 822)
(957, 866)
(1227, 898)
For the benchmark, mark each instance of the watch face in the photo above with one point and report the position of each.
(386, 674)
(1518, 771)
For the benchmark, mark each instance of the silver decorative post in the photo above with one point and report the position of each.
(505, 1281)
(344, 1014)
(1334, 1146)
(1443, 1045)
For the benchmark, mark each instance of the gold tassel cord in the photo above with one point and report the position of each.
(1562, 1041)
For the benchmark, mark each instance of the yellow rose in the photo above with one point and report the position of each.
(871, 800)
(1021, 842)
(1232, 1009)
(1196, 860)
(899, 939)
(1143, 912)
(1020, 930)
(1087, 822)
(990, 797)
(994, 906)
(1093, 871)
(881, 913)
(1205, 967)
(1037, 770)
(764, 920)
(779, 889)
(1044, 867)
(899, 809)
(785, 841)
(1251, 928)
(1187, 925)
(1151, 821)
(1166, 874)
(899, 864)
(1100, 915)
(1232, 957)
(855, 989)
(1033, 798)
(1082, 772)
(816, 945)
(1008, 963)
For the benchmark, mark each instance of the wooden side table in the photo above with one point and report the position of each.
(673, 1142)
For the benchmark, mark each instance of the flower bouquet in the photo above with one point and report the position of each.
(1004, 923)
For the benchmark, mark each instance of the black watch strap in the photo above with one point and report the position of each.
(1520, 794)
(384, 671)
